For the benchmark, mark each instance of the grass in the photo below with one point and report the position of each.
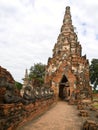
(95, 104)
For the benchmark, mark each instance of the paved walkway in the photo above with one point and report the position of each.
(60, 117)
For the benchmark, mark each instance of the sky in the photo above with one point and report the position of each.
(29, 30)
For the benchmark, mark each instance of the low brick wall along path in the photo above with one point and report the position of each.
(60, 117)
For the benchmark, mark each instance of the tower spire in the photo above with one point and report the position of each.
(26, 77)
(67, 21)
(67, 41)
(26, 74)
(67, 16)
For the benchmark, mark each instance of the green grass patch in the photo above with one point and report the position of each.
(95, 105)
(95, 98)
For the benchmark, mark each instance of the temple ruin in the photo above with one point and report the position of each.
(66, 77)
(68, 71)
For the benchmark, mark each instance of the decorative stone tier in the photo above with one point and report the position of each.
(15, 115)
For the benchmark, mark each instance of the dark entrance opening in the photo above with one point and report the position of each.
(64, 90)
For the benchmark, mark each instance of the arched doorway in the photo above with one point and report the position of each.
(64, 89)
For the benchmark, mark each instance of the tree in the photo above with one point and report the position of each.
(37, 72)
(94, 73)
(18, 85)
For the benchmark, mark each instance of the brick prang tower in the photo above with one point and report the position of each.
(67, 71)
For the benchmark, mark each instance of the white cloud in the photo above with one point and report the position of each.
(29, 30)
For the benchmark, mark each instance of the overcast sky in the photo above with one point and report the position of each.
(29, 30)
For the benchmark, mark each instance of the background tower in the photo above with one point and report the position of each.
(25, 82)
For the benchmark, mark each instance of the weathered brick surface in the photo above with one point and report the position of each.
(5, 78)
(14, 115)
(90, 125)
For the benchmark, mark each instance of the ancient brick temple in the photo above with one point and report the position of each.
(68, 71)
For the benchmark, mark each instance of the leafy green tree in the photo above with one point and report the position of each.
(94, 73)
(18, 85)
(37, 72)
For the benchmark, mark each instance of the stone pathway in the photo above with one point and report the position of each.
(60, 117)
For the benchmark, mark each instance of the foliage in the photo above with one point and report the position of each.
(18, 85)
(37, 72)
(95, 91)
(94, 73)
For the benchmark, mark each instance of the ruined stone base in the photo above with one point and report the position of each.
(83, 113)
(15, 115)
(90, 125)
